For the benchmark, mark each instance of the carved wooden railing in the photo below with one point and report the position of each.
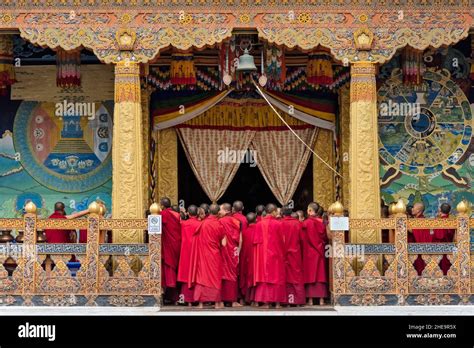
(102, 274)
(384, 274)
(90, 274)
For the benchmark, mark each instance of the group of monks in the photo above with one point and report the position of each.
(273, 257)
(214, 254)
(442, 235)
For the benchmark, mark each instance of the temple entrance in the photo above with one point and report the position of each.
(248, 185)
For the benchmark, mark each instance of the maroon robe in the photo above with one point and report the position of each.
(269, 262)
(243, 220)
(57, 236)
(292, 232)
(206, 266)
(230, 257)
(444, 235)
(315, 273)
(421, 235)
(246, 263)
(171, 247)
(188, 228)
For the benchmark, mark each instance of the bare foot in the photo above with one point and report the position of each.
(242, 302)
(254, 304)
(219, 305)
(190, 304)
(310, 302)
(236, 304)
(265, 306)
(277, 305)
(321, 301)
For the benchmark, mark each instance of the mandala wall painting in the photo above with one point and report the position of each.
(67, 153)
(424, 131)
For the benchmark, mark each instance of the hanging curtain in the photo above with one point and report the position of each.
(214, 156)
(282, 159)
(176, 116)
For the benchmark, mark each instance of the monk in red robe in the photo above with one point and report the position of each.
(206, 265)
(188, 228)
(269, 262)
(259, 210)
(230, 255)
(444, 235)
(237, 208)
(62, 236)
(292, 233)
(203, 211)
(246, 260)
(420, 235)
(170, 249)
(315, 273)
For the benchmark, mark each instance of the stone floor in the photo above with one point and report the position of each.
(178, 311)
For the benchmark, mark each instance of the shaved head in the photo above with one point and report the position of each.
(59, 206)
(238, 206)
(271, 208)
(226, 207)
(418, 209)
(214, 209)
(313, 208)
(192, 210)
(251, 218)
(165, 202)
(259, 209)
(205, 207)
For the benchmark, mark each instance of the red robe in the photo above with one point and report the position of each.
(205, 271)
(293, 233)
(315, 274)
(171, 247)
(243, 220)
(444, 235)
(246, 263)
(188, 228)
(421, 235)
(269, 262)
(230, 257)
(57, 236)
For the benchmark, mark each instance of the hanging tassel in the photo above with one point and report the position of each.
(182, 69)
(7, 71)
(68, 68)
(319, 69)
(412, 66)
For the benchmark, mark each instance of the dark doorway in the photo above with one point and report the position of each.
(248, 185)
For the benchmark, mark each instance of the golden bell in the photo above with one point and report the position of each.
(246, 63)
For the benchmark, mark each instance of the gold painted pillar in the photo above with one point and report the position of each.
(167, 164)
(323, 177)
(127, 151)
(364, 187)
(344, 126)
(145, 102)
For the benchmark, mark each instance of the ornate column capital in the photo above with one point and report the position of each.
(127, 82)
